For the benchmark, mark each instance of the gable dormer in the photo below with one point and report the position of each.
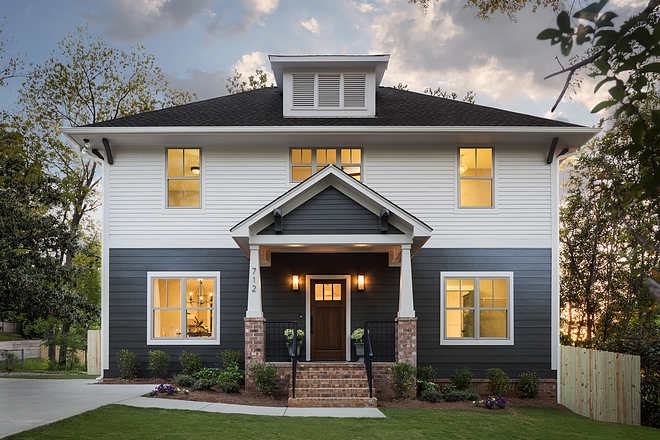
(329, 86)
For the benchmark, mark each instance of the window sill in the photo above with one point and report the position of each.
(476, 341)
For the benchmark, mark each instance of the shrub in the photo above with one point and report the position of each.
(498, 382)
(230, 378)
(495, 402)
(229, 358)
(403, 379)
(183, 380)
(452, 394)
(203, 384)
(158, 362)
(529, 384)
(191, 363)
(264, 377)
(430, 395)
(426, 373)
(208, 373)
(462, 379)
(127, 364)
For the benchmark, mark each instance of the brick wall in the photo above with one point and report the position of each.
(406, 340)
(548, 389)
(254, 347)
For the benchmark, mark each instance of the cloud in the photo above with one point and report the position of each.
(249, 63)
(204, 84)
(312, 25)
(364, 7)
(133, 20)
(253, 13)
(499, 60)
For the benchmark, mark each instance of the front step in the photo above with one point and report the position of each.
(331, 385)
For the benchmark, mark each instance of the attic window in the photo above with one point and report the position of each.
(329, 91)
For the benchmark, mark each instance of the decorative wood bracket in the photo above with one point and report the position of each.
(108, 152)
(384, 216)
(277, 217)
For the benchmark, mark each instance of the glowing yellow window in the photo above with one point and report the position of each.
(476, 177)
(307, 161)
(183, 177)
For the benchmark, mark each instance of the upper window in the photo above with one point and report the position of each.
(183, 177)
(477, 308)
(329, 90)
(307, 161)
(475, 177)
(183, 307)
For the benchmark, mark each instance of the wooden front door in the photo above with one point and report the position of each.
(328, 319)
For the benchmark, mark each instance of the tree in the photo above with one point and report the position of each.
(84, 82)
(11, 68)
(257, 81)
(486, 8)
(469, 96)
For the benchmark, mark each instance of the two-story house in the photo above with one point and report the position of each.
(330, 201)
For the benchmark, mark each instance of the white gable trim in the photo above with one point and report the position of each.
(415, 232)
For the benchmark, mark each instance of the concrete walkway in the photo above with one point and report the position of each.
(28, 403)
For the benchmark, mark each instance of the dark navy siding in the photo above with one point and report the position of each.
(532, 309)
(330, 212)
(128, 301)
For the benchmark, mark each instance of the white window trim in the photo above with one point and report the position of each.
(215, 340)
(473, 341)
(457, 163)
(194, 209)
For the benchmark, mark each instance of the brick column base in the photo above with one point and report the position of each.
(255, 347)
(406, 340)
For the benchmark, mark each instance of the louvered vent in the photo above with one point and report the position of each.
(329, 90)
(354, 90)
(303, 90)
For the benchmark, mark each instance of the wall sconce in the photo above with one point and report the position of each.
(360, 282)
(194, 170)
(294, 282)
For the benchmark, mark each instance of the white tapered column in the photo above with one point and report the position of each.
(254, 286)
(406, 306)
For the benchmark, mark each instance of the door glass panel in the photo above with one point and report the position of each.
(336, 292)
(327, 292)
(318, 292)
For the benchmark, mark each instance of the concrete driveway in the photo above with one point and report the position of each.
(28, 403)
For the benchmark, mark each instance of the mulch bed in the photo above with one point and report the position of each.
(243, 397)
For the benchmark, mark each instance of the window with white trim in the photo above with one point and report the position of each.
(307, 161)
(475, 177)
(183, 178)
(182, 307)
(476, 308)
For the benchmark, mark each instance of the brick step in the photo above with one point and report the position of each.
(332, 402)
(331, 392)
(332, 383)
(331, 375)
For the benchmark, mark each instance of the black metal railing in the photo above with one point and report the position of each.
(277, 348)
(368, 358)
(382, 336)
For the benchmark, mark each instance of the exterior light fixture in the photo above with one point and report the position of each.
(195, 170)
(86, 147)
(294, 282)
(360, 282)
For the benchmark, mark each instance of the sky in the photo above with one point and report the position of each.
(199, 43)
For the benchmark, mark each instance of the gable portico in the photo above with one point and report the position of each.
(327, 219)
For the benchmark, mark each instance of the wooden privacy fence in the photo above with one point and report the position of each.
(601, 385)
(94, 352)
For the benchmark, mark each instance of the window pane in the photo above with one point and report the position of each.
(173, 293)
(332, 155)
(167, 323)
(183, 193)
(500, 293)
(467, 293)
(306, 156)
(199, 323)
(467, 165)
(327, 292)
(296, 156)
(354, 172)
(486, 293)
(345, 156)
(300, 173)
(484, 161)
(301, 156)
(191, 162)
(320, 156)
(356, 156)
(175, 162)
(160, 293)
(476, 192)
(460, 324)
(492, 324)
(318, 292)
(336, 292)
(453, 291)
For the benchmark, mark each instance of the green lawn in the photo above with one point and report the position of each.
(117, 421)
(10, 337)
